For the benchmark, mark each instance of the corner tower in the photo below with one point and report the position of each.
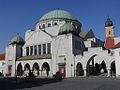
(13, 52)
(109, 43)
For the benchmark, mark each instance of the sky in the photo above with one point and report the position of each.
(17, 16)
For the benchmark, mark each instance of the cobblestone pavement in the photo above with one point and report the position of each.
(77, 83)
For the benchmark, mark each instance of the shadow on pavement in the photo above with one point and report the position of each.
(21, 83)
(107, 87)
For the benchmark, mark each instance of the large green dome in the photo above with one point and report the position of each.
(57, 14)
(17, 40)
(67, 28)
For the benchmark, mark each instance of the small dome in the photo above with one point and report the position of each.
(108, 22)
(17, 40)
(57, 14)
(67, 28)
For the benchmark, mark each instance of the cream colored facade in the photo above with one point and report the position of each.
(46, 50)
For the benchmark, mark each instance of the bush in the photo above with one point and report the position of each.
(30, 75)
(58, 75)
(1, 74)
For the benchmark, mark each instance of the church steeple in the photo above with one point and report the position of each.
(109, 34)
(109, 28)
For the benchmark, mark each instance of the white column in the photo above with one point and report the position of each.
(29, 51)
(37, 49)
(33, 50)
(108, 74)
(85, 72)
(74, 72)
(46, 49)
(41, 48)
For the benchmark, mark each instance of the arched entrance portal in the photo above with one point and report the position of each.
(90, 65)
(96, 69)
(79, 69)
(19, 70)
(103, 69)
(113, 69)
(45, 69)
(27, 69)
(35, 69)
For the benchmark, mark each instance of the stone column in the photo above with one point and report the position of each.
(37, 50)
(85, 72)
(108, 74)
(74, 72)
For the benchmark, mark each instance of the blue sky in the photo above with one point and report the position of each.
(17, 16)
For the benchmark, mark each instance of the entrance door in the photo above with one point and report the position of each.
(9, 70)
(62, 70)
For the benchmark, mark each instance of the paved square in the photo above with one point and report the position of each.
(78, 83)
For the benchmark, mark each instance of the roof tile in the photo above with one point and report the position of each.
(2, 56)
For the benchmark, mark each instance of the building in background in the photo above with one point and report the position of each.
(57, 43)
(2, 64)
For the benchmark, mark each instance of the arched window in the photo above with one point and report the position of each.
(19, 70)
(46, 67)
(79, 69)
(55, 23)
(39, 27)
(49, 24)
(43, 26)
(109, 32)
(35, 69)
(27, 67)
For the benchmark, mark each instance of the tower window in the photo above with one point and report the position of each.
(49, 25)
(109, 32)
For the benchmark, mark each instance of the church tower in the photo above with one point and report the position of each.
(109, 43)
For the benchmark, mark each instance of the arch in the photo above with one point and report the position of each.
(97, 69)
(90, 68)
(43, 26)
(35, 69)
(49, 24)
(39, 27)
(27, 67)
(103, 67)
(79, 69)
(55, 23)
(45, 68)
(113, 69)
(19, 70)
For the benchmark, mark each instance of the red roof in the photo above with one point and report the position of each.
(2, 56)
(117, 45)
(109, 43)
